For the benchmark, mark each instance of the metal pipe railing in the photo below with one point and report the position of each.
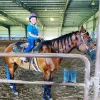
(60, 55)
(42, 82)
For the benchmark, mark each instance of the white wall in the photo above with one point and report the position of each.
(54, 32)
(3, 32)
(17, 31)
(51, 32)
(47, 32)
(91, 25)
(67, 30)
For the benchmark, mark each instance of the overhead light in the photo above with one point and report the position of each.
(45, 9)
(51, 19)
(6, 1)
(61, 12)
(3, 19)
(93, 3)
(27, 18)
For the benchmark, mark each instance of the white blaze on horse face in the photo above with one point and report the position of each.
(80, 42)
(83, 35)
(82, 46)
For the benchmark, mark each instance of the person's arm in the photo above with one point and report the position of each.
(34, 35)
(29, 31)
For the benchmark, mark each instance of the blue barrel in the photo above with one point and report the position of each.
(70, 75)
(66, 75)
(73, 76)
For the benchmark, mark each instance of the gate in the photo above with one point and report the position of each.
(86, 84)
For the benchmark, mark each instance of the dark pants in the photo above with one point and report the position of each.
(30, 46)
(92, 54)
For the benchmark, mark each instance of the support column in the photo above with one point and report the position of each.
(97, 66)
(9, 32)
(25, 31)
(94, 23)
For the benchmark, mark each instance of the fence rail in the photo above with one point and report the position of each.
(41, 82)
(60, 55)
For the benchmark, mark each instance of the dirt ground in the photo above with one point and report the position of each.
(34, 92)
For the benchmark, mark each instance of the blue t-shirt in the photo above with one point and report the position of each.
(34, 30)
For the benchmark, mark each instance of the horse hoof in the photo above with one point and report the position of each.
(11, 87)
(16, 93)
(50, 99)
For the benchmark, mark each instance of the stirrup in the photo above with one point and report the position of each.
(24, 59)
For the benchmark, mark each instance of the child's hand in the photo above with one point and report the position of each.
(40, 37)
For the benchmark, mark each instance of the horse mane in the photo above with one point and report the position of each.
(61, 38)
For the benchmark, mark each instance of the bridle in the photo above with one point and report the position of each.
(82, 40)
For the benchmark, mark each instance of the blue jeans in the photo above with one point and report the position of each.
(92, 54)
(30, 46)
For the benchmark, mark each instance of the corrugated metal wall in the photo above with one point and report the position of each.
(91, 25)
(52, 32)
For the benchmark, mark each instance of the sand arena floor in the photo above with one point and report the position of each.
(34, 92)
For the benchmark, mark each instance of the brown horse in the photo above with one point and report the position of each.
(47, 66)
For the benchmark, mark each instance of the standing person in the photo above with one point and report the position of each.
(33, 33)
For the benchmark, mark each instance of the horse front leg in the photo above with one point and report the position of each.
(47, 88)
(10, 76)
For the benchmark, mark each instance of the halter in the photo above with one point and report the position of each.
(82, 41)
(86, 42)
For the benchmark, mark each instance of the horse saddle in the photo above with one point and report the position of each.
(20, 46)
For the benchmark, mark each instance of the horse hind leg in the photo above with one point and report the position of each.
(47, 88)
(47, 94)
(10, 75)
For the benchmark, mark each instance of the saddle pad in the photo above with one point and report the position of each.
(17, 47)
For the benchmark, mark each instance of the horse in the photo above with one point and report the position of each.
(48, 66)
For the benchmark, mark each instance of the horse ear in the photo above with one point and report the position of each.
(82, 29)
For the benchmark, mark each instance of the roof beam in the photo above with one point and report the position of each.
(4, 25)
(83, 21)
(25, 7)
(12, 19)
(42, 1)
(68, 2)
(5, 1)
